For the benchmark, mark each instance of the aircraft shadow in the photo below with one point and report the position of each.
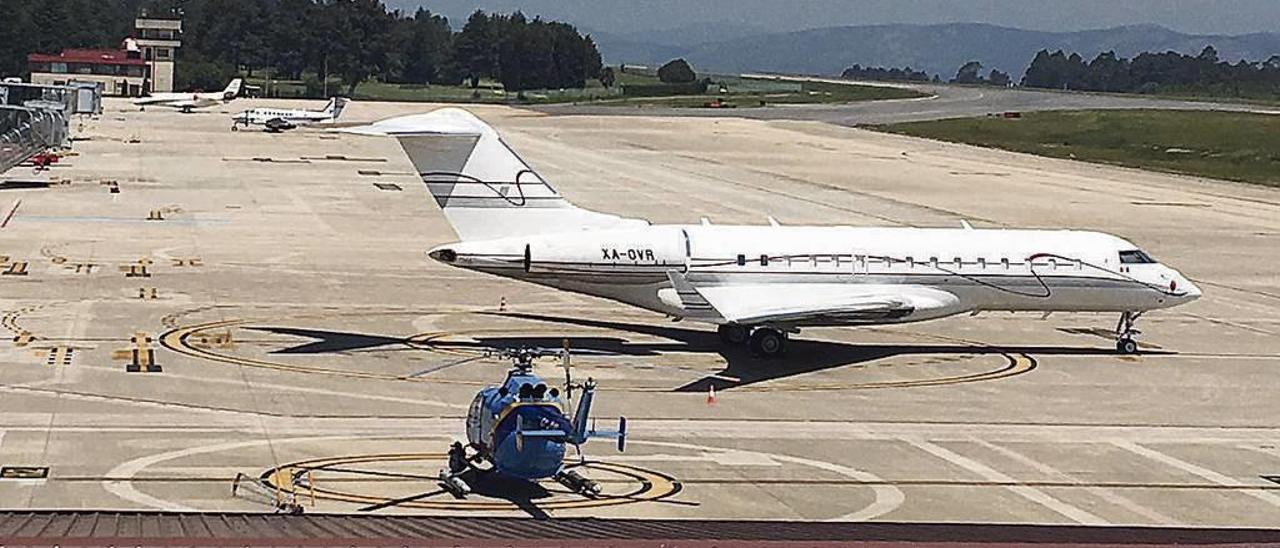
(329, 341)
(742, 367)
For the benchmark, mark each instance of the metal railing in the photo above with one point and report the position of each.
(35, 118)
(25, 132)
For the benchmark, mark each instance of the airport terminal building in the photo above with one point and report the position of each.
(142, 65)
(120, 72)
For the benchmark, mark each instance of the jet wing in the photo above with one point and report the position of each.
(814, 304)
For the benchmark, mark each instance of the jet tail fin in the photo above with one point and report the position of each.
(334, 110)
(233, 89)
(484, 188)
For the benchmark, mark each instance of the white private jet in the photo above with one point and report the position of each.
(278, 119)
(186, 102)
(760, 283)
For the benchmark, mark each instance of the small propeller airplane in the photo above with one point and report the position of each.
(275, 120)
(520, 429)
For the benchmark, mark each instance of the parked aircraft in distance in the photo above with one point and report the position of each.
(761, 283)
(280, 119)
(186, 102)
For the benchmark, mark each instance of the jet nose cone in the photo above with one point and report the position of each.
(1193, 291)
(1184, 289)
(443, 254)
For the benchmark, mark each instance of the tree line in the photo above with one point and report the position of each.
(971, 73)
(905, 74)
(1164, 72)
(352, 40)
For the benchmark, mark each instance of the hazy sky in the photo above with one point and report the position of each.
(1193, 16)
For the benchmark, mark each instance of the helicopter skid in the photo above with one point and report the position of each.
(454, 485)
(578, 483)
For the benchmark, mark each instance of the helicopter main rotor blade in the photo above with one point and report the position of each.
(433, 369)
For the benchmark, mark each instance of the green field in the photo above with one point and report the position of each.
(487, 92)
(1221, 145)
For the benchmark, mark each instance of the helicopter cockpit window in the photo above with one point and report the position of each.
(1135, 256)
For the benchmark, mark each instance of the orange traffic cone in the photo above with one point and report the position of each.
(711, 394)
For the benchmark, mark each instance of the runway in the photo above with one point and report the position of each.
(941, 101)
(256, 306)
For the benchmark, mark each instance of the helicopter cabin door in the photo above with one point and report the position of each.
(475, 422)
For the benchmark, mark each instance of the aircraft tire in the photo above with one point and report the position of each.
(1127, 346)
(768, 342)
(732, 333)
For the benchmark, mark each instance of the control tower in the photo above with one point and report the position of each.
(159, 40)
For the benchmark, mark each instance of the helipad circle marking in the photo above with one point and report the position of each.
(291, 479)
(178, 340)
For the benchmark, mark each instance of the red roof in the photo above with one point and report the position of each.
(90, 56)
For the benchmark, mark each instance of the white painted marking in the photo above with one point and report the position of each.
(742, 458)
(723, 458)
(127, 470)
(888, 497)
(1108, 495)
(1216, 477)
(986, 472)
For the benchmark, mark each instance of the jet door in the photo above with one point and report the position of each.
(688, 249)
(859, 264)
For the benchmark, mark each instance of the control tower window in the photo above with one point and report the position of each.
(1135, 256)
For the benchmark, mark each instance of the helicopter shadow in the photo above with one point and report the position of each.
(742, 368)
(521, 493)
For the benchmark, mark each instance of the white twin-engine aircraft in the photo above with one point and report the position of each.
(186, 102)
(759, 283)
(280, 119)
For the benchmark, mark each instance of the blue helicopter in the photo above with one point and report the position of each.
(520, 429)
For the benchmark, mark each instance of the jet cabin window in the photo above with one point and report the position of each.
(1135, 256)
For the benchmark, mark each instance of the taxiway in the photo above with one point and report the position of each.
(254, 305)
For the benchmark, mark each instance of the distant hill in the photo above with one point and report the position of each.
(937, 49)
(656, 47)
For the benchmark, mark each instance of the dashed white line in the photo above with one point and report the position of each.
(1216, 477)
(1030, 493)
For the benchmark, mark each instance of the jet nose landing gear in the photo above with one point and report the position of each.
(1125, 333)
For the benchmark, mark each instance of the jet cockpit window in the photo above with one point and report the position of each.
(1135, 256)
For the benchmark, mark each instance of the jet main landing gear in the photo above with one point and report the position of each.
(732, 333)
(1125, 333)
(768, 342)
(764, 341)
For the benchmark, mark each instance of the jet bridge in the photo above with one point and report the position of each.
(25, 132)
(35, 118)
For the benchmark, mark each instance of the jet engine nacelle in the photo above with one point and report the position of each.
(641, 250)
(633, 252)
